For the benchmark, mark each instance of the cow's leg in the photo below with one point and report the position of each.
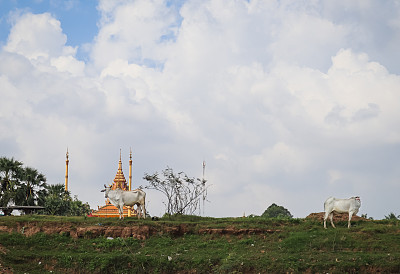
(143, 206)
(325, 217)
(331, 217)
(134, 210)
(139, 210)
(350, 215)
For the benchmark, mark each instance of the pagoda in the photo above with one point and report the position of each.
(109, 210)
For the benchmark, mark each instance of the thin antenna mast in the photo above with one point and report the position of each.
(204, 184)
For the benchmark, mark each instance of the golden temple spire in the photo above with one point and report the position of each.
(66, 170)
(119, 180)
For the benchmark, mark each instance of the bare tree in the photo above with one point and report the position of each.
(182, 193)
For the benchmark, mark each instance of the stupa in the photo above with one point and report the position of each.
(109, 210)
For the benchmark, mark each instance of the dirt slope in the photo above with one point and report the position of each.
(336, 217)
(143, 231)
(135, 231)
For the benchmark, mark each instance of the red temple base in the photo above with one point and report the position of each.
(111, 211)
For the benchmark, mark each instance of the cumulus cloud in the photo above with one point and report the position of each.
(37, 36)
(282, 99)
(136, 31)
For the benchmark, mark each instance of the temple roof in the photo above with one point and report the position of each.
(119, 180)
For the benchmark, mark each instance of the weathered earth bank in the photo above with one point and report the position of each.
(135, 231)
(140, 231)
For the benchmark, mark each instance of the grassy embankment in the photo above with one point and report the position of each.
(297, 245)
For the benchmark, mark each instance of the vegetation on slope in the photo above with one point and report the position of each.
(292, 245)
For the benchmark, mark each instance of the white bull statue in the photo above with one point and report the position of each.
(351, 205)
(121, 198)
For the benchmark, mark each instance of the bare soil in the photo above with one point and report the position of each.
(336, 217)
(142, 231)
(136, 231)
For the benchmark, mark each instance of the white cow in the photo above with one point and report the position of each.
(351, 205)
(121, 198)
(141, 210)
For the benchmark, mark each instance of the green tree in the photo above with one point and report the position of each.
(58, 201)
(10, 178)
(27, 193)
(19, 185)
(27, 187)
(275, 211)
(365, 216)
(392, 216)
(78, 208)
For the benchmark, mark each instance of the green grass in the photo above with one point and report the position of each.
(298, 245)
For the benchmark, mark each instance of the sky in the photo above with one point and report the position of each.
(287, 102)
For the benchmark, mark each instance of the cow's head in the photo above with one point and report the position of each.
(106, 189)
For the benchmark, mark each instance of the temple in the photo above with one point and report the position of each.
(109, 210)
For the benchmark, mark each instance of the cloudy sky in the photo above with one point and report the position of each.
(287, 102)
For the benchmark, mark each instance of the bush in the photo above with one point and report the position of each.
(392, 216)
(275, 211)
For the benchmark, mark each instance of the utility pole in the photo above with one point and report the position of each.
(130, 181)
(204, 184)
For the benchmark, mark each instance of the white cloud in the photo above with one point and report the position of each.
(37, 36)
(134, 31)
(69, 64)
(279, 158)
(283, 102)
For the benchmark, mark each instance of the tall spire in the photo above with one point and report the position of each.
(130, 170)
(66, 170)
(119, 180)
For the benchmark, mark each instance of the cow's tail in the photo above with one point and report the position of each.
(327, 202)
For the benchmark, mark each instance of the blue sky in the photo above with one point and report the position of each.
(288, 102)
(78, 18)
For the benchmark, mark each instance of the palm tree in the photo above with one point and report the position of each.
(27, 193)
(57, 201)
(58, 191)
(10, 178)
